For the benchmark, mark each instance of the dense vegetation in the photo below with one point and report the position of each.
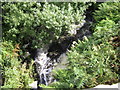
(40, 22)
(92, 61)
(95, 60)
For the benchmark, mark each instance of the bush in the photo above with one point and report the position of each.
(32, 23)
(40, 23)
(92, 60)
(15, 75)
(109, 10)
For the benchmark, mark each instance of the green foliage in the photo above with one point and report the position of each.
(15, 75)
(108, 10)
(37, 24)
(40, 23)
(91, 60)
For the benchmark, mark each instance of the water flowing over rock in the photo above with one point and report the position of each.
(45, 65)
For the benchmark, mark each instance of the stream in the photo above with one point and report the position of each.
(55, 57)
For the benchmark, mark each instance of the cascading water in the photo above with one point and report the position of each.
(44, 66)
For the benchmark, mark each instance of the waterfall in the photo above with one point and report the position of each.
(45, 65)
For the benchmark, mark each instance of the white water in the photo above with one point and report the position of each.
(45, 65)
(42, 63)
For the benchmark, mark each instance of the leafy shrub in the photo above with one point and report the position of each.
(40, 23)
(91, 61)
(108, 10)
(32, 23)
(15, 75)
